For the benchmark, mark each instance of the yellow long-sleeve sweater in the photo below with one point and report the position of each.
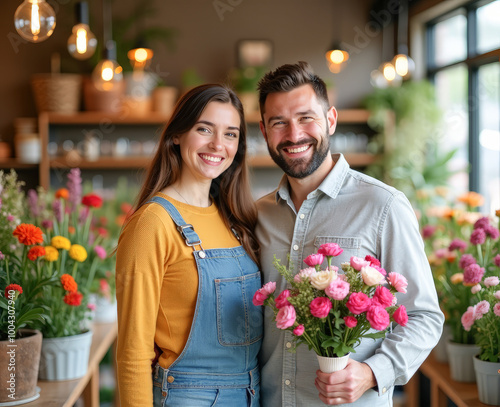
(156, 289)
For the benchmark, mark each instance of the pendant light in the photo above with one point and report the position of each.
(336, 56)
(82, 42)
(140, 57)
(35, 20)
(403, 64)
(386, 74)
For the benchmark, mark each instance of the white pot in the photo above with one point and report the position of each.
(461, 361)
(332, 364)
(105, 309)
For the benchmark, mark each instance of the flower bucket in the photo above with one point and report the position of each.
(332, 364)
(24, 357)
(461, 361)
(105, 309)
(65, 358)
(488, 381)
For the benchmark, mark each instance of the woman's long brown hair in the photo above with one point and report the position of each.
(230, 190)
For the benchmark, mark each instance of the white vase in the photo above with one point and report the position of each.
(65, 358)
(488, 381)
(332, 364)
(105, 309)
(461, 361)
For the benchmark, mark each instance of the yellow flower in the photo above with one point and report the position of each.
(457, 278)
(60, 242)
(78, 253)
(51, 253)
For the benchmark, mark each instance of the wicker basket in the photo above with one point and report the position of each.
(57, 92)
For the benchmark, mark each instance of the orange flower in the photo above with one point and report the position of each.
(497, 213)
(71, 230)
(69, 283)
(126, 207)
(35, 252)
(28, 234)
(62, 193)
(472, 199)
(73, 298)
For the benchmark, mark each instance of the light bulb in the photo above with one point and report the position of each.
(336, 60)
(140, 57)
(403, 65)
(82, 42)
(35, 20)
(107, 74)
(389, 71)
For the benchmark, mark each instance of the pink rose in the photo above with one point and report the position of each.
(262, 293)
(373, 261)
(457, 244)
(350, 321)
(398, 281)
(379, 269)
(357, 263)
(358, 303)
(491, 281)
(428, 231)
(320, 307)
(496, 309)
(492, 232)
(482, 307)
(478, 236)
(304, 274)
(468, 319)
(383, 297)
(400, 315)
(473, 274)
(475, 289)
(299, 330)
(286, 317)
(496, 260)
(282, 299)
(314, 260)
(371, 276)
(497, 295)
(269, 287)
(378, 318)
(338, 289)
(330, 249)
(466, 260)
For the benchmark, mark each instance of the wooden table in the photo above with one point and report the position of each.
(443, 387)
(66, 393)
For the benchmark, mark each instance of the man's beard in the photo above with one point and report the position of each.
(301, 167)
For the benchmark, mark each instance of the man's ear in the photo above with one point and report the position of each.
(331, 117)
(263, 130)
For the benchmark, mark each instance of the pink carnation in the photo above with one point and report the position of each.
(357, 263)
(320, 307)
(299, 330)
(380, 270)
(441, 253)
(466, 260)
(303, 274)
(400, 315)
(282, 299)
(330, 249)
(338, 289)
(261, 294)
(350, 321)
(497, 295)
(383, 297)
(482, 307)
(269, 287)
(496, 260)
(475, 289)
(373, 261)
(428, 231)
(398, 281)
(286, 317)
(473, 274)
(358, 303)
(496, 309)
(378, 317)
(468, 319)
(491, 281)
(478, 236)
(492, 232)
(100, 251)
(314, 260)
(457, 244)
(481, 223)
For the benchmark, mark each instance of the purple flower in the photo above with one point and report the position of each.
(492, 232)
(482, 223)
(466, 260)
(473, 274)
(57, 208)
(74, 185)
(47, 224)
(496, 260)
(457, 244)
(428, 231)
(33, 203)
(478, 236)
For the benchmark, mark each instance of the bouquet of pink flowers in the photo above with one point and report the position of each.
(330, 310)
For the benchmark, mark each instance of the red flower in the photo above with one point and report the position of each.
(69, 283)
(35, 252)
(373, 261)
(73, 298)
(102, 232)
(13, 287)
(28, 234)
(92, 201)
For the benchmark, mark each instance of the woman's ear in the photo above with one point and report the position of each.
(176, 140)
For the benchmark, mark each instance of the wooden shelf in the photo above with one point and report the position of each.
(16, 164)
(345, 116)
(102, 163)
(354, 160)
(104, 118)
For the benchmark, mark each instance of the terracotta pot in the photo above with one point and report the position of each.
(19, 361)
(109, 101)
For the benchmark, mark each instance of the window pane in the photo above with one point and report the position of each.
(489, 135)
(450, 40)
(488, 27)
(451, 91)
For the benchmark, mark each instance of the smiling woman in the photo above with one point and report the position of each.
(196, 193)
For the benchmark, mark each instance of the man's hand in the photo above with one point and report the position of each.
(344, 386)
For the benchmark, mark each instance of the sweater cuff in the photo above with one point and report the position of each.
(383, 371)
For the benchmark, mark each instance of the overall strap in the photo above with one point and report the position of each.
(185, 229)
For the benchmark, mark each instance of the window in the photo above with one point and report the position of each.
(463, 63)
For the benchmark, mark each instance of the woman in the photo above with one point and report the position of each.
(186, 266)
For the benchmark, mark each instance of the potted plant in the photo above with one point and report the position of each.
(245, 82)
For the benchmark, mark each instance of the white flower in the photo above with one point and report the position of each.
(372, 276)
(322, 279)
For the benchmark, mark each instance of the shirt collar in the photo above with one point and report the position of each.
(331, 184)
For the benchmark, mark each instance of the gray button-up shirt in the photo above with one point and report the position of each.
(365, 217)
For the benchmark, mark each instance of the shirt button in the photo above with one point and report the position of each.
(288, 345)
(384, 390)
(170, 379)
(287, 382)
(302, 216)
(295, 247)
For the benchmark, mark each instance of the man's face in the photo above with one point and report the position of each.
(297, 131)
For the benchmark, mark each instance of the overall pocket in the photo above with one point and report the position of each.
(239, 322)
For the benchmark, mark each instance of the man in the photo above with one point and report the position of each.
(319, 200)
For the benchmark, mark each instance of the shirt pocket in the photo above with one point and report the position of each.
(350, 245)
(239, 322)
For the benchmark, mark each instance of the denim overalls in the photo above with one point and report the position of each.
(218, 366)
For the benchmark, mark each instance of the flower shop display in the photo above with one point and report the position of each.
(331, 310)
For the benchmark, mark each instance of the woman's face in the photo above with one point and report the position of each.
(209, 147)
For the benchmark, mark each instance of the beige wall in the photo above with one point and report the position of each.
(300, 30)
